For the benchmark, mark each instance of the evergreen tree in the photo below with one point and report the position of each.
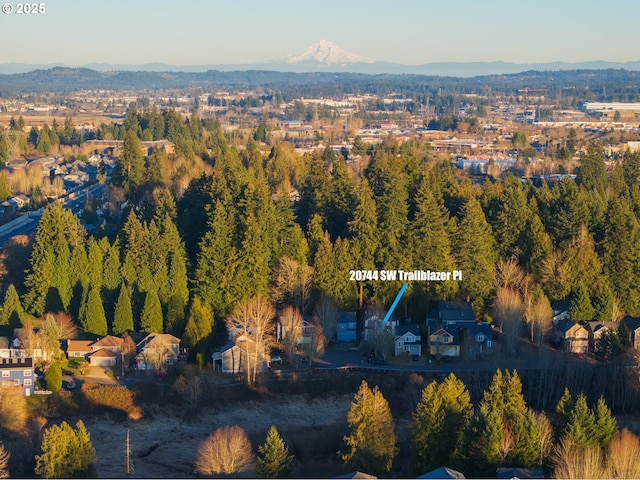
(151, 318)
(536, 245)
(621, 262)
(580, 426)
(66, 453)
(475, 251)
(512, 216)
(342, 199)
(372, 440)
(176, 259)
(563, 409)
(592, 173)
(95, 260)
(439, 423)
(605, 425)
(199, 323)
(212, 271)
(175, 316)
(363, 231)
(53, 377)
(92, 316)
(59, 231)
(274, 460)
(123, 314)
(12, 312)
(507, 427)
(580, 309)
(5, 191)
(129, 170)
(429, 240)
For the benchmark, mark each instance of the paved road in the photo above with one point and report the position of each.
(74, 202)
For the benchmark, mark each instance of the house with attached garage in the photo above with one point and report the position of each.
(408, 340)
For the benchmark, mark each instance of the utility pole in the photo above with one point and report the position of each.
(128, 461)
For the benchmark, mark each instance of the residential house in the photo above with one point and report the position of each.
(346, 326)
(375, 324)
(407, 340)
(456, 314)
(114, 344)
(24, 343)
(307, 330)
(443, 343)
(522, 473)
(232, 357)
(571, 336)
(597, 329)
(448, 325)
(79, 348)
(17, 372)
(442, 473)
(478, 340)
(157, 350)
(103, 358)
(560, 310)
(633, 325)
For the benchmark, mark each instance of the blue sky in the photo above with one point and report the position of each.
(193, 32)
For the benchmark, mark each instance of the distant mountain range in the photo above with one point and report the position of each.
(325, 56)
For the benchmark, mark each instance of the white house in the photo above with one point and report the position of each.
(408, 340)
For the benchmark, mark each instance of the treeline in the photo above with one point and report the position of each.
(583, 85)
(230, 229)
(576, 441)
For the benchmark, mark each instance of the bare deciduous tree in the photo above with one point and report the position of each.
(315, 347)
(68, 328)
(539, 317)
(292, 283)
(13, 409)
(508, 274)
(291, 324)
(251, 324)
(226, 451)
(29, 339)
(326, 313)
(381, 340)
(576, 461)
(508, 310)
(4, 462)
(624, 452)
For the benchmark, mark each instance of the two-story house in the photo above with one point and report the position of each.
(571, 336)
(443, 343)
(407, 340)
(17, 372)
(346, 326)
(157, 351)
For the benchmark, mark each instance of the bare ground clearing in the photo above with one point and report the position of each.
(165, 446)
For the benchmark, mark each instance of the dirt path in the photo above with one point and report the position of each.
(165, 446)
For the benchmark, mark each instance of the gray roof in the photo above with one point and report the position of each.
(442, 473)
(456, 311)
(402, 329)
(632, 323)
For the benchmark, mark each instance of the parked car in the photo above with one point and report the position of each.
(68, 384)
(68, 372)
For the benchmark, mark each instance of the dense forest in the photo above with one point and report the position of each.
(227, 233)
(585, 85)
(201, 230)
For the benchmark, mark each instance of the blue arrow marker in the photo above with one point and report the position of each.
(395, 303)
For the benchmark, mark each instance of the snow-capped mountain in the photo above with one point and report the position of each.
(325, 53)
